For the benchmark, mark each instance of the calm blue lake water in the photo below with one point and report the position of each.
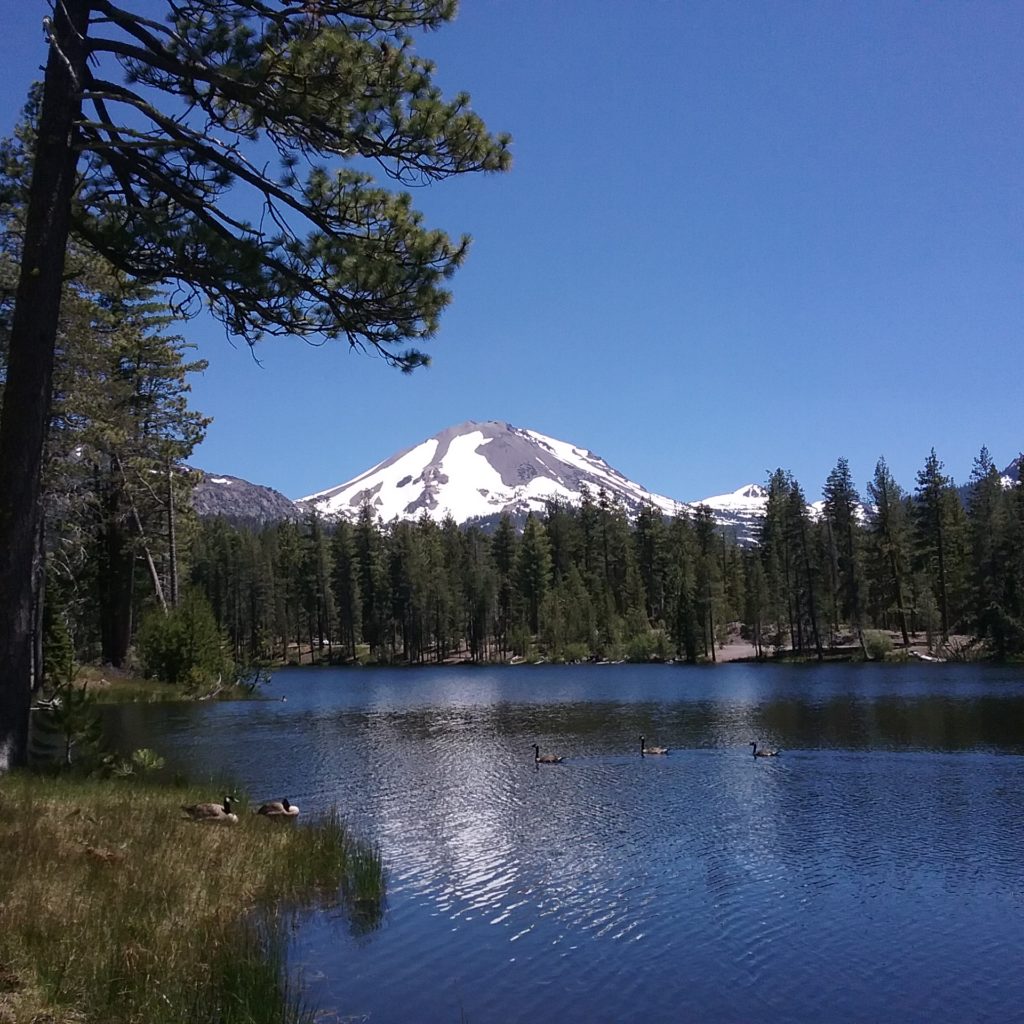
(872, 872)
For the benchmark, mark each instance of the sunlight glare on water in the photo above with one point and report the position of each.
(870, 872)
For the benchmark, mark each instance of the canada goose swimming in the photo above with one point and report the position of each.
(764, 752)
(539, 758)
(282, 808)
(644, 749)
(213, 814)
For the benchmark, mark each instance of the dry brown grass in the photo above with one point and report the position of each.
(116, 908)
(118, 686)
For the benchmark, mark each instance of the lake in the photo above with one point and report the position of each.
(874, 871)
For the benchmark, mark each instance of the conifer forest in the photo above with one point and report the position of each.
(122, 571)
(134, 579)
(129, 576)
(585, 582)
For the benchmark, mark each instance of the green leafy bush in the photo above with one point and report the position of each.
(877, 644)
(185, 645)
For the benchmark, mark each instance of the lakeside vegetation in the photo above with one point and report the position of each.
(938, 572)
(115, 908)
(107, 685)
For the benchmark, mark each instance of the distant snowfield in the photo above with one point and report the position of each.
(749, 498)
(477, 470)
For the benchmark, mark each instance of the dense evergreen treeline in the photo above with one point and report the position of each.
(584, 581)
(127, 572)
(125, 569)
(136, 155)
(115, 499)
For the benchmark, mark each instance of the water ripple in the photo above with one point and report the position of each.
(871, 872)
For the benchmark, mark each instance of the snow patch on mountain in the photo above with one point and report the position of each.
(740, 512)
(480, 470)
(749, 498)
(477, 472)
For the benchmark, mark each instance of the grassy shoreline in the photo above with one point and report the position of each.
(114, 907)
(116, 686)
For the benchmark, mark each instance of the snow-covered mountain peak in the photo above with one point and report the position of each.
(740, 511)
(747, 496)
(479, 470)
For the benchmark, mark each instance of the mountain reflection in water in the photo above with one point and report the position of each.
(870, 872)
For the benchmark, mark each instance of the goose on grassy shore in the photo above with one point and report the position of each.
(213, 814)
(282, 808)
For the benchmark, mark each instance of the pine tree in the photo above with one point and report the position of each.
(318, 598)
(842, 503)
(1006, 623)
(288, 569)
(890, 546)
(504, 547)
(805, 572)
(533, 571)
(650, 542)
(407, 582)
(561, 521)
(708, 590)
(479, 593)
(345, 585)
(987, 521)
(137, 440)
(373, 582)
(776, 558)
(756, 599)
(448, 604)
(682, 587)
(113, 490)
(937, 534)
(141, 170)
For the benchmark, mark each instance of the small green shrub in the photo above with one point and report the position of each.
(877, 644)
(68, 730)
(141, 762)
(638, 648)
(576, 652)
(184, 645)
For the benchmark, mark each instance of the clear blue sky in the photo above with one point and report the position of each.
(736, 235)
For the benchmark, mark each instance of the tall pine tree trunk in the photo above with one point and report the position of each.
(28, 392)
(901, 612)
(38, 606)
(810, 592)
(711, 623)
(172, 540)
(115, 581)
(154, 576)
(943, 599)
(833, 571)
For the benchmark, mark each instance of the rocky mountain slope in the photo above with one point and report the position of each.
(241, 502)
